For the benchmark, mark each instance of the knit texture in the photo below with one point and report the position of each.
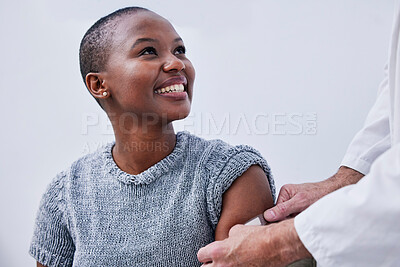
(95, 214)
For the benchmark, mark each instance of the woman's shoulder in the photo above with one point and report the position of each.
(219, 164)
(84, 166)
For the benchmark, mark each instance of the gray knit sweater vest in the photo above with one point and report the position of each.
(95, 214)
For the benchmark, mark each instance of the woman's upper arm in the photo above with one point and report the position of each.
(248, 196)
(52, 240)
(38, 264)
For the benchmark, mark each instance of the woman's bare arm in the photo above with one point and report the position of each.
(248, 196)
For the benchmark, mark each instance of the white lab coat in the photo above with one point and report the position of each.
(359, 225)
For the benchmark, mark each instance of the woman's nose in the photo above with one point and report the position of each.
(173, 64)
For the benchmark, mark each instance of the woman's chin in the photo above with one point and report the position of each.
(178, 115)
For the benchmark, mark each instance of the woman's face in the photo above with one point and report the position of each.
(148, 73)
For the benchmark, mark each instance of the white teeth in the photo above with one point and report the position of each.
(171, 88)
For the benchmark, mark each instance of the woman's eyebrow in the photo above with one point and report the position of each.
(141, 40)
(179, 39)
(151, 40)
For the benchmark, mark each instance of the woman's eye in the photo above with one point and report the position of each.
(180, 50)
(149, 51)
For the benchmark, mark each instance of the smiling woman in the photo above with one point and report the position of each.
(151, 197)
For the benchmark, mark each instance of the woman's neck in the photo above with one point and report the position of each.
(138, 150)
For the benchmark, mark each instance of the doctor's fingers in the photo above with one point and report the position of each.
(288, 191)
(292, 206)
(210, 253)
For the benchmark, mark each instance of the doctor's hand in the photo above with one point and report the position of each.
(294, 198)
(272, 245)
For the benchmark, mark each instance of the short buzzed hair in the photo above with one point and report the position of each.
(97, 41)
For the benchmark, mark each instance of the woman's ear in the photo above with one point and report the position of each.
(96, 85)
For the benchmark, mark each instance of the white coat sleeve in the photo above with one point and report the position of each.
(358, 225)
(374, 138)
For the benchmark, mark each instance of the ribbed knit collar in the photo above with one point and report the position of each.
(152, 173)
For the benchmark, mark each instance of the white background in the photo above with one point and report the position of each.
(260, 64)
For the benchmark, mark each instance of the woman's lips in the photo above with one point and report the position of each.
(174, 95)
(174, 80)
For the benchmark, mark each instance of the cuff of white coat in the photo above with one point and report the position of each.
(356, 163)
(310, 239)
